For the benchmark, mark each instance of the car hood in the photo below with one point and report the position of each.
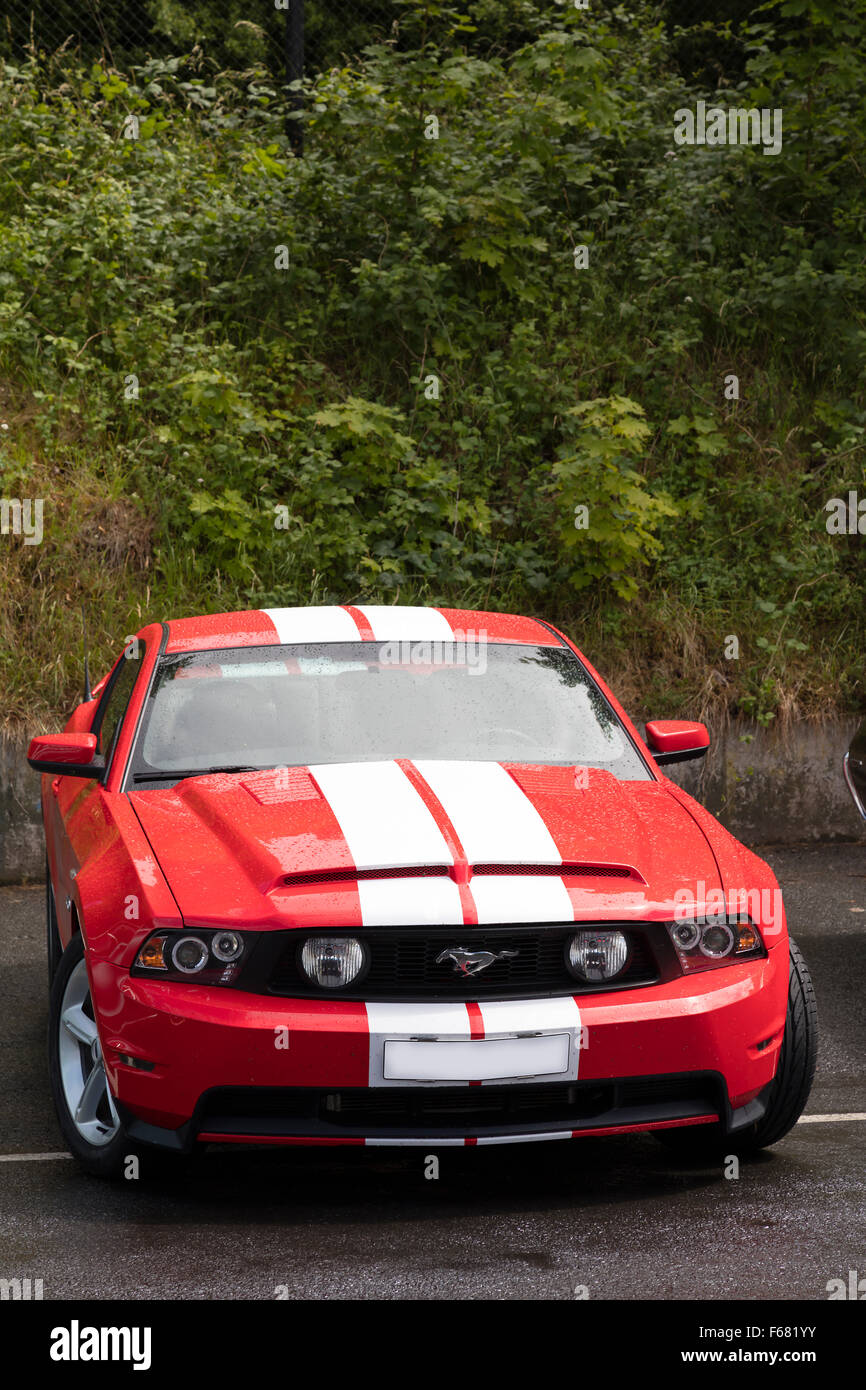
(412, 843)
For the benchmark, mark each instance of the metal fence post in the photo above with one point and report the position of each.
(295, 69)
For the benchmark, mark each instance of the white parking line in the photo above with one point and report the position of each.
(830, 1119)
(31, 1158)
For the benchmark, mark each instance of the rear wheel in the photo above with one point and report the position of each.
(790, 1087)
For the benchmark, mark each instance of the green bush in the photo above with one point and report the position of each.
(379, 371)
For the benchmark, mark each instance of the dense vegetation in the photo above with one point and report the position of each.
(378, 373)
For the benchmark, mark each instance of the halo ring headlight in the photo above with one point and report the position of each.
(686, 935)
(227, 946)
(717, 940)
(189, 954)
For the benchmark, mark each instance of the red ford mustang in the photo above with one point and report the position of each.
(384, 875)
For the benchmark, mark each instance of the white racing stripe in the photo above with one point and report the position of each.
(506, 1016)
(382, 817)
(434, 1142)
(400, 623)
(326, 624)
(523, 1138)
(495, 821)
(510, 1017)
(396, 902)
(521, 898)
(448, 1022)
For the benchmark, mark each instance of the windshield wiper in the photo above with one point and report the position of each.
(194, 772)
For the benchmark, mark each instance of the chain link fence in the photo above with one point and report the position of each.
(232, 33)
(288, 35)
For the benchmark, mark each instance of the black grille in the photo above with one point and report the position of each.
(557, 870)
(403, 964)
(455, 1110)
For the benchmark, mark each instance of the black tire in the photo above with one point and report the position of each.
(104, 1160)
(799, 1057)
(52, 933)
(790, 1087)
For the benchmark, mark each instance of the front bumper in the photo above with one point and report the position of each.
(189, 1063)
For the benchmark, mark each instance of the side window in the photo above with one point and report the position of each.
(116, 701)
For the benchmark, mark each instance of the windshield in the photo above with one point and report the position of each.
(279, 706)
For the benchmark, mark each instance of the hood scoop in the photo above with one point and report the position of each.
(282, 784)
(317, 877)
(563, 870)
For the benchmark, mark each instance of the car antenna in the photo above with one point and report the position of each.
(88, 693)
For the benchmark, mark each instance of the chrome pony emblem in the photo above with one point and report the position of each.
(472, 962)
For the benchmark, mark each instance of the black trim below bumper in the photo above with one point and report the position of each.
(256, 1114)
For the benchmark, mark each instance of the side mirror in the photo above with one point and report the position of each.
(855, 769)
(676, 740)
(69, 755)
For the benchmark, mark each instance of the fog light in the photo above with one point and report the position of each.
(189, 954)
(597, 955)
(717, 940)
(227, 945)
(332, 961)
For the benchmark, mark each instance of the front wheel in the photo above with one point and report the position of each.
(79, 1086)
(789, 1089)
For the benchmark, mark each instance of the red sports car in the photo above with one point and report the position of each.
(389, 875)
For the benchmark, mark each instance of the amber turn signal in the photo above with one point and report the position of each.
(152, 954)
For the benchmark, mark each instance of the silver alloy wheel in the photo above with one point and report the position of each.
(85, 1085)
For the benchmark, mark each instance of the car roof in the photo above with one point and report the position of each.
(348, 623)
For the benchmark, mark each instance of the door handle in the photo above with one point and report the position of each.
(55, 786)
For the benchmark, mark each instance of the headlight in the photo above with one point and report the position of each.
(686, 935)
(227, 945)
(717, 941)
(332, 961)
(597, 955)
(702, 944)
(197, 957)
(189, 955)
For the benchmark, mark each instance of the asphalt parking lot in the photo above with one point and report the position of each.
(617, 1217)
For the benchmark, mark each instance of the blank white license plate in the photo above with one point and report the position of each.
(477, 1059)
